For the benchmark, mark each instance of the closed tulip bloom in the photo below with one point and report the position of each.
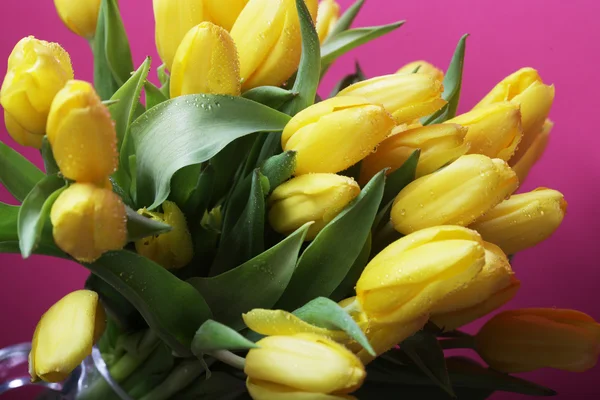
(88, 221)
(223, 14)
(79, 16)
(65, 335)
(20, 135)
(529, 339)
(312, 197)
(269, 42)
(524, 220)
(174, 249)
(37, 70)
(494, 131)
(493, 287)
(82, 134)
(423, 68)
(439, 145)
(526, 89)
(206, 62)
(335, 134)
(327, 17)
(302, 366)
(174, 19)
(533, 153)
(405, 280)
(406, 96)
(456, 195)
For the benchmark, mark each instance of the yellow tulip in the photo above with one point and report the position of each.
(269, 42)
(424, 68)
(335, 134)
(456, 195)
(406, 96)
(20, 135)
(533, 153)
(312, 197)
(65, 335)
(529, 339)
(439, 144)
(206, 62)
(303, 365)
(327, 17)
(493, 287)
(82, 134)
(526, 89)
(494, 131)
(37, 70)
(174, 18)
(88, 221)
(79, 16)
(225, 13)
(173, 249)
(524, 220)
(405, 280)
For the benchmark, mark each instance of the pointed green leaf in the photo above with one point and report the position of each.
(227, 172)
(9, 216)
(346, 287)
(17, 174)
(139, 227)
(154, 96)
(183, 183)
(213, 336)
(270, 96)
(190, 130)
(35, 211)
(327, 260)
(347, 18)
(257, 283)
(49, 162)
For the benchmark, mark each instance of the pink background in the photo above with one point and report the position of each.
(558, 38)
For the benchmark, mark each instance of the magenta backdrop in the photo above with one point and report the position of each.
(560, 39)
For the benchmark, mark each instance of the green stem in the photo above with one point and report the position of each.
(183, 375)
(463, 342)
(130, 362)
(229, 358)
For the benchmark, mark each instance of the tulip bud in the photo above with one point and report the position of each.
(423, 68)
(269, 42)
(312, 197)
(533, 153)
(529, 339)
(526, 89)
(455, 195)
(82, 134)
(406, 96)
(411, 275)
(20, 135)
(223, 14)
(494, 131)
(335, 134)
(174, 249)
(65, 335)
(327, 17)
(439, 144)
(206, 62)
(37, 70)
(524, 220)
(79, 16)
(326, 368)
(493, 287)
(88, 221)
(174, 18)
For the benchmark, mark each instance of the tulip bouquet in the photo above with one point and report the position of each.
(247, 238)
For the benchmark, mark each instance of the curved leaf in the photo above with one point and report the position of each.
(9, 216)
(258, 283)
(190, 130)
(154, 96)
(17, 174)
(49, 162)
(270, 96)
(346, 287)
(347, 18)
(139, 227)
(213, 336)
(327, 260)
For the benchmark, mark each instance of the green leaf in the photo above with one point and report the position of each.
(220, 386)
(49, 162)
(452, 85)
(346, 287)
(201, 195)
(139, 227)
(327, 260)
(270, 96)
(35, 211)
(257, 283)
(225, 170)
(183, 183)
(342, 42)
(351, 79)
(190, 130)
(213, 336)
(17, 174)
(326, 313)
(425, 351)
(347, 18)
(9, 216)
(154, 96)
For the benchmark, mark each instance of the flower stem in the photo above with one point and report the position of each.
(183, 375)
(229, 358)
(463, 342)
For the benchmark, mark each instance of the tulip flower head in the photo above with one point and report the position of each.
(327, 17)
(533, 153)
(224, 14)
(422, 67)
(80, 16)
